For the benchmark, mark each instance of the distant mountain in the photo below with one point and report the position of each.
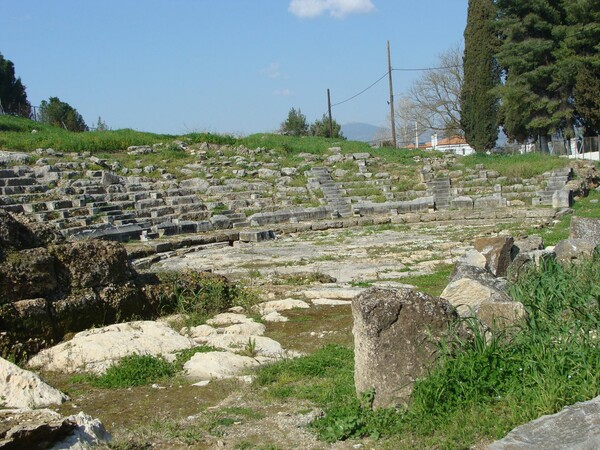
(356, 131)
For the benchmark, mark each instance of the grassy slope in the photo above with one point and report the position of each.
(17, 134)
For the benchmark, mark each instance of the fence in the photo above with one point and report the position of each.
(580, 148)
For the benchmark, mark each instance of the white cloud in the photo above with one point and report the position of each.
(336, 8)
(272, 71)
(282, 92)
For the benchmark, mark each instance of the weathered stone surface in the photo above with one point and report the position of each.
(281, 305)
(526, 244)
(18, 233)
(257, 236)
(218, 365)
(333, 292)
(27, 274)
(497, 251)
(474, 258)
(20, 388)
(585, 228)
(88, 433)
(263, 346)
(562, 198)
(330, 302)
(43, 428)
(475, 292)
(573, 249)
(528, 259)
(274, 316)
(91, 264)
(394, 332)
(576, 427)
(33, 429)
(95, 350)
(228, 319)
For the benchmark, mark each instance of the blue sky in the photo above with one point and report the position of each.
(225, 66)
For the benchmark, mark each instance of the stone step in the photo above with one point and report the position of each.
(183, 200)
(19, 190)
(19, 181)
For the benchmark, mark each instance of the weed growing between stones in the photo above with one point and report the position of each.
(200, 295)
(479, 390)
(140, 370)
(133, 370)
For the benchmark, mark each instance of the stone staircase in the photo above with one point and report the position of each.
(439, 188)
(320, 178)
(555, 181)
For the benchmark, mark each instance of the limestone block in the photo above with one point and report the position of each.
(526, 244)
(281, 305)
(97, 349)
(474, 258)
(576, 427)
(257, 236)
(462, 202)
(394, 340)
(572, 249)
(497, 252)
(562, 199)
(470, 286)
(263, 346)
(218, 365)
(43, 428)
(585, 228)
(20, 388)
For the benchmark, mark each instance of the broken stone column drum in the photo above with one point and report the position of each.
(395, 333)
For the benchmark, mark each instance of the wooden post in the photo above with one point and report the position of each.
(329, 109)
(392, 118)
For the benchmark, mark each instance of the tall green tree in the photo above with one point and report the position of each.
(536, 96)
(295, 124)
(581, 50)
(13, 97)
(321, 128)
(479, 103)
(61, 114)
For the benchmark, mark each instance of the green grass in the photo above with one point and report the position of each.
(200, 295)
(524, 166)
(480, 388)
(583, 207)
(16, 134)
(140, 370)
(433, 283)
(133, 370)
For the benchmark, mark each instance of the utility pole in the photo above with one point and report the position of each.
(416, 136)
(329, 109)
(392, 119)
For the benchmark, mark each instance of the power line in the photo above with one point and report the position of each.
(385, 74)
(363, 91)
(425, 68)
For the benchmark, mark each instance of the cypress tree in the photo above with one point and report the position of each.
(479, 105)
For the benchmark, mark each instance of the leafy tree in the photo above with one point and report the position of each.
(540, 56)
(435, 96)
(479, 104)
(582, 60)
(295, 124)
(61, 114)
(321, 128)
(13, 98)
(101, 125)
